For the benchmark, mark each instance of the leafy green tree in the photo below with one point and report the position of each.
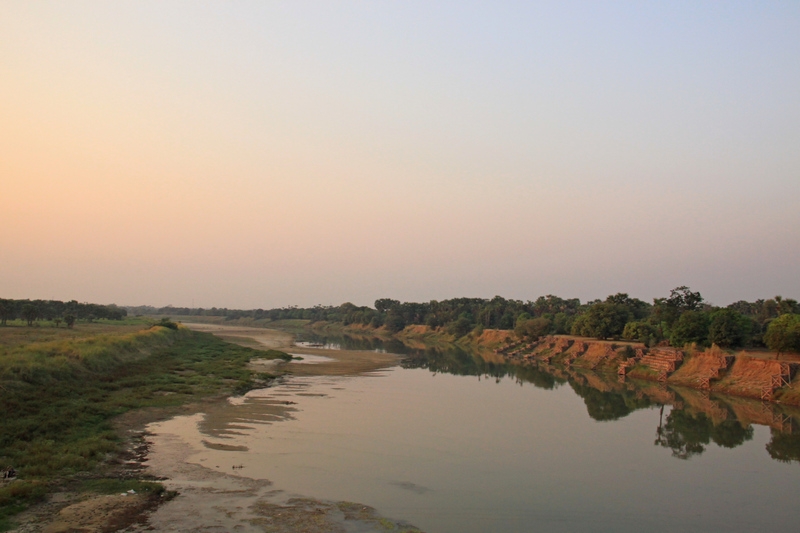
(57, 320)
(681, 299)
(562, 322)
(29, 313)
(461, 326)
(394, 322)
(642, 331)
(383, 305)
(692, 326)
(69, 320)
(6, 312)
(637, 309)
(728, 328)
(533, 328)
(783, 334)
(602, 320)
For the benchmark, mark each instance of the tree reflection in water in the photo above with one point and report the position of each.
(685, 431)
(687, 434)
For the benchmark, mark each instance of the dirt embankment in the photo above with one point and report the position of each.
(713, 369)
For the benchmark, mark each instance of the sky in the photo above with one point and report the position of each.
(264, 154)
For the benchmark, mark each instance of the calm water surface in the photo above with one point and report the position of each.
(468, 453)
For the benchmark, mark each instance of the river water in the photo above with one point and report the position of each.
(450, 443)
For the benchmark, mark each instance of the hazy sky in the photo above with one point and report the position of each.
(262, 154)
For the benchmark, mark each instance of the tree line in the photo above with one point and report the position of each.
(57, 311)
(681, 318)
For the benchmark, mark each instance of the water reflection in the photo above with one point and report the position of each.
(695, 420)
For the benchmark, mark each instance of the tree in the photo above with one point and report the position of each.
(57, 320)
(29, 313)
(691, 327)
(783, 334)
(680, 300)
(602, 320)
(641, 331)
(636, 307)
(6, 312)
(383, 305)
(533, 328)
(394, 322)
(728, 328)
(69, 320)
(461, 326)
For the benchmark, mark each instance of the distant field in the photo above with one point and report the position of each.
(289, 324)
(17, 332)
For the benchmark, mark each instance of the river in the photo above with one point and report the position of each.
(450, 443)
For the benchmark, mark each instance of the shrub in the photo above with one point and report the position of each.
(783, 334)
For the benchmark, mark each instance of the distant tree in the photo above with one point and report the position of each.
(692, 326)
(729, 328)
(69, 320)
(29, 313)
(786, 305)
(6, 312)
(533, 328)
(783, 334)
(642, 331)
(635, 307)
(602, 320)
(57, 320)
(461, 326)
(681, 299)
(383, 305)
(394, 322)
(562, 322)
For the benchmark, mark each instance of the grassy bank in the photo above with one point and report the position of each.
(60, 390)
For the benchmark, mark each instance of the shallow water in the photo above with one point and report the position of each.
(463, 453)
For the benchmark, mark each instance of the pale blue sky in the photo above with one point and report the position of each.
(260, 154)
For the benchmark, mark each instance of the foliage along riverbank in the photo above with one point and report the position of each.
(61, 389)
(681, 318)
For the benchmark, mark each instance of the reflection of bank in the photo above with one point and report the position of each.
(696, 419)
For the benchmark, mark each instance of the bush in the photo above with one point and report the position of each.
(533, 328)
(783, 334)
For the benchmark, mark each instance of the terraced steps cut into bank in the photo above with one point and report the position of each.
(663, 360)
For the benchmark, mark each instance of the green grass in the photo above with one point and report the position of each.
(58, 397)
